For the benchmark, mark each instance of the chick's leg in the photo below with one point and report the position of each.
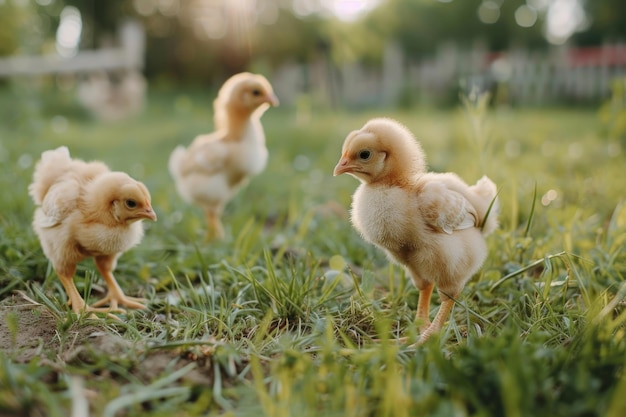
(423, 305)
(438, 322)
(215, 227)
(115, 296)
(66, 276)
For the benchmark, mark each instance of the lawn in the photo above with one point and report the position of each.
(278, 319)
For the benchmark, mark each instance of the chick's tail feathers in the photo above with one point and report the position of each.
(52, 165)
(489, 207)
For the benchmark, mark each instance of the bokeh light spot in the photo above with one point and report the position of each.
(489, 12)
(169, 8)
(69, 32)
(549, 197)
(563, 19)
(25, 161)
(337, 263)
(575, 151)
(525, 16)
(145, 7)
(59, 124)
(301, 163)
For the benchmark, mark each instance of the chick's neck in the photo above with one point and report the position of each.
(401, 170)
(98, 206)
(238, 121)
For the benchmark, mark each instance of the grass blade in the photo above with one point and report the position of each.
(531, 215)
(524, 269)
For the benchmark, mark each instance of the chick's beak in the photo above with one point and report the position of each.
(148, 213)
(342, 167)
(272, 100)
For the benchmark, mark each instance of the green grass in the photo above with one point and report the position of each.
(278, 319)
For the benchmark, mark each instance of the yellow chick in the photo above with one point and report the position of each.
(86, 211)
(215, 166)
(433, 224)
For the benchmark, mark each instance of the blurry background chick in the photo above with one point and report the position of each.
(431, 223)
(85, 210)
(215, 166)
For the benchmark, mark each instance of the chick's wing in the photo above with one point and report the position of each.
(59, 202)
(207, 157)
(446, 210)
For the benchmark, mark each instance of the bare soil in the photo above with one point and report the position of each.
(29, 331)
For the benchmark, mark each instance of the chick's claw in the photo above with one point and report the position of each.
(115, 300)
(81, 308)
(106, 311)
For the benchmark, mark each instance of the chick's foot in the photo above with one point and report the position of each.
(114, 300)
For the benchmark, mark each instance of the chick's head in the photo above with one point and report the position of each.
(381, 151)
(125, 199)
(247, 92)
(363, 157)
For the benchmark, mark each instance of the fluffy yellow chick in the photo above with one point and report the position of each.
(215, 166)
(85, 210)
(431, 223)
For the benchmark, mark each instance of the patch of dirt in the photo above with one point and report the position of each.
(156, 363)
(29, 331)
(26, 330)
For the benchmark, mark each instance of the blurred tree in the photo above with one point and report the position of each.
(289, 38)
(362, 41)
(209, 39)
(420, 26)
(17, 21)
(101, 19)
(606, 22)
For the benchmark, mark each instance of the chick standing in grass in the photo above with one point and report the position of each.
(85, 210)
(215, 166)
(431, 223)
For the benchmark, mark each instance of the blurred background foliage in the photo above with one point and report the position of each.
(197, 41)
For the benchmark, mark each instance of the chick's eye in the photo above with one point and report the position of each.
(365, 155)
(131, 204)
(256, 92)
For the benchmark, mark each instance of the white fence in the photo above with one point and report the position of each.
(517, 76)
(109, 80)
(129, 55)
